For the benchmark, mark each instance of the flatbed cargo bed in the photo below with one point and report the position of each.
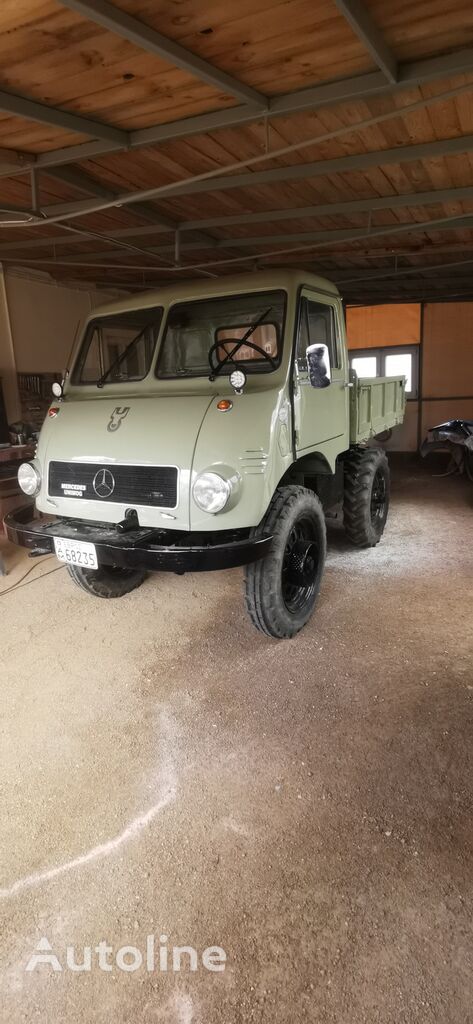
(376, 405)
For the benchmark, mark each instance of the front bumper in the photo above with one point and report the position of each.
(154, 550)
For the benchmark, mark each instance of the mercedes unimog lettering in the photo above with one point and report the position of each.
(247, 426)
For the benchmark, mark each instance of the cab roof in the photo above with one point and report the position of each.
(176, 291)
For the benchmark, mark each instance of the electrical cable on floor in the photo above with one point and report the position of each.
(20, 584)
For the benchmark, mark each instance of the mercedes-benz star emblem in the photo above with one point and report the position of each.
(103, 483)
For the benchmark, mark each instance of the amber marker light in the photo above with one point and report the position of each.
(53, 412)
(224, 405)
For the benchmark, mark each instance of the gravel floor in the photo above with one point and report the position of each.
(306, 805)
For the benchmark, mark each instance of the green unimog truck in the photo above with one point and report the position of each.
(206, 425)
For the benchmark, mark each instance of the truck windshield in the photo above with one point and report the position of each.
(104, 357)
(192, 328)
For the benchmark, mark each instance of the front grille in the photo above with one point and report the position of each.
(137, 485)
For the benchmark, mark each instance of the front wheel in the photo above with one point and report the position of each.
(106, 581)
(281, 589)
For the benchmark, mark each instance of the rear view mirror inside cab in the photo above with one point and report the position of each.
(264, 337)
(318, 365)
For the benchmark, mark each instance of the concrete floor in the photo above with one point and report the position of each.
(306, 804)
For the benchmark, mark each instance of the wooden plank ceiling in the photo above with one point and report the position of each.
(380, 210)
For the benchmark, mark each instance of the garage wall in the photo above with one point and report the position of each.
(444, 331)
(382, 327)
(447, 364)
(39, 319)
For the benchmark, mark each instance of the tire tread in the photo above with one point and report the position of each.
(96, 583)
(361, 465)
(263, 600)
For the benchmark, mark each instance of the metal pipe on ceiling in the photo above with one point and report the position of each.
(443, 223)
(358, 87)
(218, 176)
(437, 196)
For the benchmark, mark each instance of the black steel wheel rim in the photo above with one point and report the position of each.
(300, 566)
(378, 498)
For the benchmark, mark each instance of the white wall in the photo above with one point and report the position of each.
(39, 320)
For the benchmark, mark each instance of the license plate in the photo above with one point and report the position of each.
(76, 552)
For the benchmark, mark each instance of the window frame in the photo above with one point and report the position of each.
(263, 366)
(304, 299)
(381, 352)
(109, 321)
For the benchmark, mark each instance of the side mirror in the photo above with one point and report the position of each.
(318, 365)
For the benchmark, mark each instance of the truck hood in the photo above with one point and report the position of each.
(138, 431)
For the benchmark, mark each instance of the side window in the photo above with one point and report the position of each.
(365, 366)
(389, 362)
(317, 326)
(400, 362)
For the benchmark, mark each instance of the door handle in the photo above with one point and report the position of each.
(348, 384)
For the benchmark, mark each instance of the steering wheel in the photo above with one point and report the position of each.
(216, 368)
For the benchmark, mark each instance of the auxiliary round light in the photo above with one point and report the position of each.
(57, 389)
(238, 380)
(29, 479)
(211, 492)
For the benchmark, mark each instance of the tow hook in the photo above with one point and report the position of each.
(130, 522)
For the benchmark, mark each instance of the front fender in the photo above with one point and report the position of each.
(252, 439)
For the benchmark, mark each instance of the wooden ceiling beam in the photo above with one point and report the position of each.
(297, 172)
(160, 223)
(396, 272)
(146, 38)
(301, 241)
(81, 181)
(313, 98)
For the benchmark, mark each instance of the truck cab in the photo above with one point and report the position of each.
(195, 425)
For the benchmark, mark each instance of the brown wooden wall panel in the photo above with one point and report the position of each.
(434, 413)
(378, 326)
(448, 349)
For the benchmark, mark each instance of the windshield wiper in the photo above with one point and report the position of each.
(259, 320)
(126, 351)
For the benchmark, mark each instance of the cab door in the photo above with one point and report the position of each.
(321, 414)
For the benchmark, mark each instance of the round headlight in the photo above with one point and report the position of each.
(57, 389)
(29, 479)
(211, 492)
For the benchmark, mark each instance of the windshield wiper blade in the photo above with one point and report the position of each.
(241, 342)
(126, 351)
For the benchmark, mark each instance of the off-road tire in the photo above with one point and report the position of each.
(294, 519)
(107, 581)
(366, 496)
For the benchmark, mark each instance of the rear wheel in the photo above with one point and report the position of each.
(281, 589)
(366, 496)
(107, 581)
